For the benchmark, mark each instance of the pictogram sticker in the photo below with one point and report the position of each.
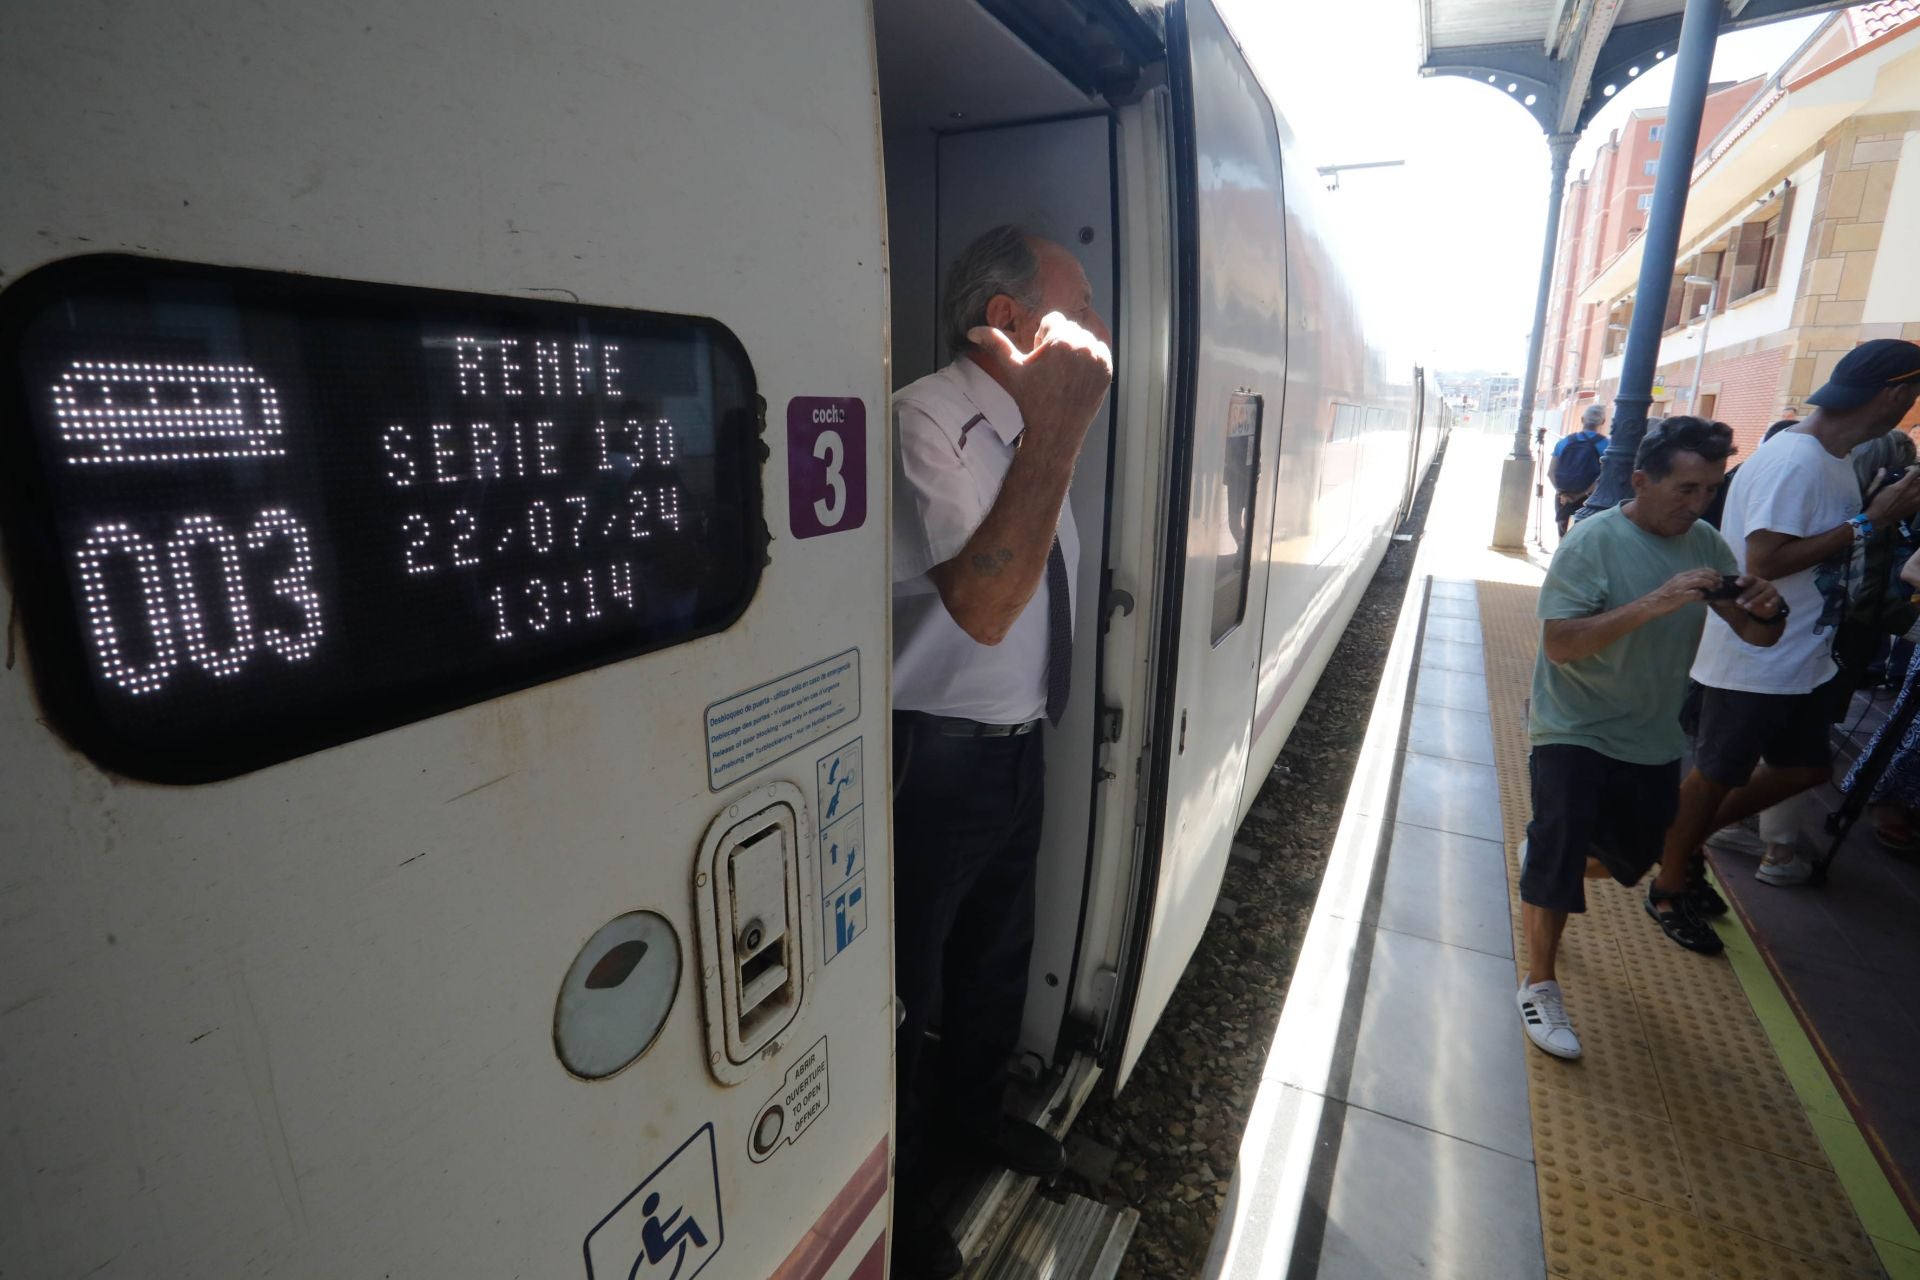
(669, 1227)
(841, 780)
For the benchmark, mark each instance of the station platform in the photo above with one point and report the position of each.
(1715, 1126)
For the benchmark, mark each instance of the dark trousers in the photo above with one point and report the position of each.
(966, 834)
(1564, 507)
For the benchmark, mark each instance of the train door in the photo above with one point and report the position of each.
(443, 486)
(1231, 336)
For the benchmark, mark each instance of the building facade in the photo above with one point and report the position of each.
(1604, 213)
(1800, 234)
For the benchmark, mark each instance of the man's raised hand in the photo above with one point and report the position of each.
(1896, 501)
(1058, 385)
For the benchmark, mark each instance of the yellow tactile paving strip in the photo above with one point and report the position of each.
(1676, 1146)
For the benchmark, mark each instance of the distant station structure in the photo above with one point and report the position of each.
(1801, 214)
(1561, 60)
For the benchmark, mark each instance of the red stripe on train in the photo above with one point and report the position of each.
(828, 1238)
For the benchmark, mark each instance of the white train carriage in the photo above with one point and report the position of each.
(444, 467)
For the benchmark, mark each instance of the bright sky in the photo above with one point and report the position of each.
(1453, 238)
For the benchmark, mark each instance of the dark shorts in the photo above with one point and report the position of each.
(1738, 730)
(1590, 805)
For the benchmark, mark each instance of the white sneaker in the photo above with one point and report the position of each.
(1545, 1017)
(1797, 869)
(1741, 837)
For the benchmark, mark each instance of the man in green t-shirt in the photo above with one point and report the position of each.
(1622, 609)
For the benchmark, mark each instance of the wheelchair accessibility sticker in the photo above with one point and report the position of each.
(668, 1227)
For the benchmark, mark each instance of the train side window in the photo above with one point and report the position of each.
(1240, 485)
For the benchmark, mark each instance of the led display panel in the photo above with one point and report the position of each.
(251, 514)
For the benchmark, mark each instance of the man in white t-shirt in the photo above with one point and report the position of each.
(1792, 518)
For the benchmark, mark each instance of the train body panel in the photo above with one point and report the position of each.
(1274, 321)
(302, 1021)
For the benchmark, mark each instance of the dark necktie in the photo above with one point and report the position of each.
(1059, 634)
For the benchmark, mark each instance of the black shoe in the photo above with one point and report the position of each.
(1702, 898)
(925, 1251)
(1019, 1145)
(1681, 924)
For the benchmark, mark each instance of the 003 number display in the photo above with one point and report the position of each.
(250, 515)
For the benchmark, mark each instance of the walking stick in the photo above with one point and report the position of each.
(1866, 776)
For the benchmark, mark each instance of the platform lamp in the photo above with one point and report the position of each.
(1700, 356)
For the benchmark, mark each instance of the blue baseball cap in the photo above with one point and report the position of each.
(1866, 371)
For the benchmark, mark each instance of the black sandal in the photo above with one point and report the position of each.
(1700, 893)
(1681, 923)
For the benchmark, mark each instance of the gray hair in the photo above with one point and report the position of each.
(1592, 416)
(1894, 449)
(998, 261)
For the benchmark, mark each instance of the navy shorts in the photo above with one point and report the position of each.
(1788, 730)
(1590, 805)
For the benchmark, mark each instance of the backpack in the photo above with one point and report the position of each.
(1577, 467)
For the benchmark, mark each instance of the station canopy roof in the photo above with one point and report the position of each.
(1562, 59)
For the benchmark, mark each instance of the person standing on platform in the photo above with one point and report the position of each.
(984, 555)
(1793, 517)
(1621, 611)
(1575, 469)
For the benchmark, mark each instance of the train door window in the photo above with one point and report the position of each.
(1239, 486)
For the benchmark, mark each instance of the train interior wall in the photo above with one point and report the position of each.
(1007, 141)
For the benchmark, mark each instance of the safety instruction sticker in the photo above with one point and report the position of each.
(802, 1099)
(841, 777)
(749, 731)
(669, 1227)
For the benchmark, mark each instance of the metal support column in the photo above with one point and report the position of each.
(1693, 66)
(1516, 476)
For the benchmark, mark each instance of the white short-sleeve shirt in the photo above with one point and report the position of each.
(1791, 485)
(955, 433)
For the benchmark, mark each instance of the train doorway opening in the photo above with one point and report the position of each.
(979, 132)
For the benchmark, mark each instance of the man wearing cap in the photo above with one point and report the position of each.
(1575, 468)
(1792, 518)
(984, 549)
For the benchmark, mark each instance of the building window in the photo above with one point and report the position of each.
(1706, 266)
(1676, 301)
(1650, 168)
(1757, 248)
(1645, 202)
(1617, 321)
(1656, 133)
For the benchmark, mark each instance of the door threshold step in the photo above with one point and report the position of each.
(1070, 1239)
(987, 1218)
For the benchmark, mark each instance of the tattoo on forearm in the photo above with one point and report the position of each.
(988, 564)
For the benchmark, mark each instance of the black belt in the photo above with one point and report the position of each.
(961, 727)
